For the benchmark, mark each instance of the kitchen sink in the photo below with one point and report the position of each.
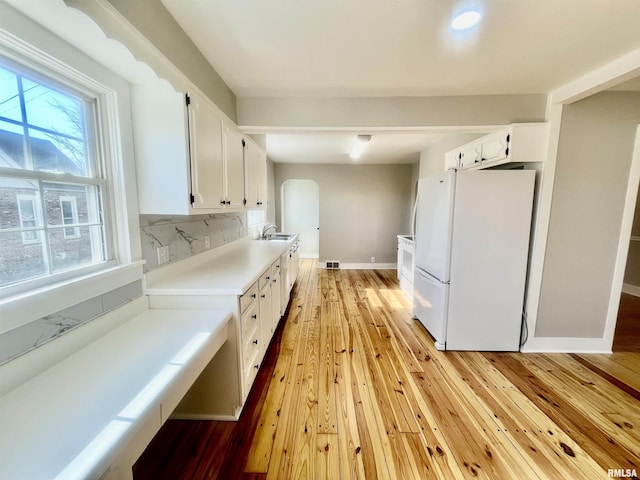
(279, 236)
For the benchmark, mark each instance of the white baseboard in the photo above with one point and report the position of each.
(363, 266)
(566, 345)
(631, 289)
(220, 418)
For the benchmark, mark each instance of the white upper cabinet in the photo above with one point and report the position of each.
(190, 158)
(256, 179)
(207, 156)
(518, 143)
(234, 166)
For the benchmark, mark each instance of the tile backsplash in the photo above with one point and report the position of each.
(185, 235)
(32, 335)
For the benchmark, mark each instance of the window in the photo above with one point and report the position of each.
(28, 219)
(69, 211)
(52, 216)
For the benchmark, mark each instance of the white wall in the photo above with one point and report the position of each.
(153, 20)
(362, 208)
(592, 171)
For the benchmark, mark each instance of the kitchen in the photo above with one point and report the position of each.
(555, 256)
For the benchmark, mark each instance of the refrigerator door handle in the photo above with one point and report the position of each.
(430, 278)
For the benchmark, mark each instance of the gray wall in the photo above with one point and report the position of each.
(391, 111)
(632, 271)
(155, 22)
(362, 208)
(592, 171)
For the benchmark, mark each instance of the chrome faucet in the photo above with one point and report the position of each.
(266, 228)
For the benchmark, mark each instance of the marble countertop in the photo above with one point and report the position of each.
(227, 270)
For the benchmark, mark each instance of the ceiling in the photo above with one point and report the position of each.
(332, 48)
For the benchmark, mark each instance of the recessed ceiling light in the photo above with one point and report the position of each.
(466, 20)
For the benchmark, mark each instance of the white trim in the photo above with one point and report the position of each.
(362, 266)
(620, 70)
(539, 241)
(623, 242)
(567, 345)
(631, 289)
(219, 418)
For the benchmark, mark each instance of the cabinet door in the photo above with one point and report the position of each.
(234, 166)
(266, 318)
(471, 155)
(275, 297)
(207, 162)
(256, 176)
(495, 147)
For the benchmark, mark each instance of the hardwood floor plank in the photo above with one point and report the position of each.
(615, 372)
(353, 388)
(534, 435)
(604, 449)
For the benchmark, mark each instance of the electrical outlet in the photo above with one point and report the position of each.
(163, 254)
(207, 241)
(373, 259)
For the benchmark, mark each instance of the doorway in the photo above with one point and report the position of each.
(301, 213)
(626, 334)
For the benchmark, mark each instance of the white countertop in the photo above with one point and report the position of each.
(72, 419)
(227, 270)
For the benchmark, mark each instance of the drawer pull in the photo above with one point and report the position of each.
(256, 367)
(254, 316)
(253, 295)
(255, 341)
(264, 295)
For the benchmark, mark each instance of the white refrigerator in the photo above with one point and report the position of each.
(471, 251)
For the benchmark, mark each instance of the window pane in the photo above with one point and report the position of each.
(11, 145)
(55, 153)
(20, 260)
(52, 110)
(9, 97)
(85, 197)
(14, 195)
(77, 251)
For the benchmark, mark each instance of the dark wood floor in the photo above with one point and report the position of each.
(352, 387)
(627, 335)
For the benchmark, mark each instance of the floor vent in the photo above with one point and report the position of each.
(333, 264)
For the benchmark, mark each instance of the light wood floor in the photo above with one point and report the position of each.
(352, 387)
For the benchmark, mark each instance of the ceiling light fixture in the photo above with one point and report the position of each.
(466, 20)
(358, 146)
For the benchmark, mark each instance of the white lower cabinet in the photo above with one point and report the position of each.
(221, 390)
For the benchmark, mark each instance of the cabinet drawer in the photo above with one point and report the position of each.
(275, 269)
(249, 296)
(264, 279)
(249, 320)
(249, 375)
(250, 349)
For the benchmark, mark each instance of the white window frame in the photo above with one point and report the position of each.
(33, 198)
(74, 217)
(104, 127)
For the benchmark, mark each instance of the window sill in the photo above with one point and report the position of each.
(23, 308)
